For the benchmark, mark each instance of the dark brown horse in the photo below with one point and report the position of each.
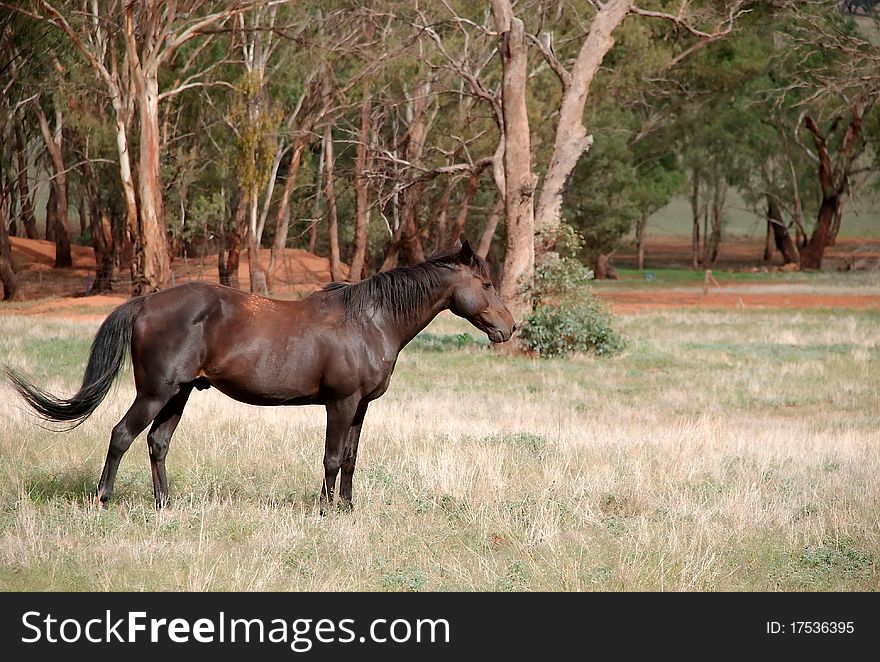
(337, 348)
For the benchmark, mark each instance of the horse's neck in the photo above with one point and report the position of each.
(415, 323)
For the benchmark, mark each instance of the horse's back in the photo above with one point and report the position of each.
(254, 349)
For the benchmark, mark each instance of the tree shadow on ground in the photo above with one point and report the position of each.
(73, 485)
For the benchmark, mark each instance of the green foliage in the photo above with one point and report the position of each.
(206, 212)
(566, 317)
(257, 118)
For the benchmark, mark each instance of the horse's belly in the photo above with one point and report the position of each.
(253, 395)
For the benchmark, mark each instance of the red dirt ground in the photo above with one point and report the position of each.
(59, 292)
(634, 301)
(738, 255)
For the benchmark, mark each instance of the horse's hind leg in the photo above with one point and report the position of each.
(160, 437)
(142, 411)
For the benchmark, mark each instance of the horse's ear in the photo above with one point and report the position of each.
(465, 253)
(456, 246)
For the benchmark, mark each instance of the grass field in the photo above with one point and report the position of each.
(724, 450)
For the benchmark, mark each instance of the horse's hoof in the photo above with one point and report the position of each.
(345, 506)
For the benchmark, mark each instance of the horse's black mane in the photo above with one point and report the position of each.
(404, 290)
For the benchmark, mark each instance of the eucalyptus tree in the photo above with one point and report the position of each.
(574, 58)
(834, 90)
(128, 45)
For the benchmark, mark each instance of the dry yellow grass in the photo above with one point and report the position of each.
(724, 450)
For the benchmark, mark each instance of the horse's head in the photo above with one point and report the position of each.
(474, 297)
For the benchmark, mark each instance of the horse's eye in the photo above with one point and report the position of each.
(487, 286)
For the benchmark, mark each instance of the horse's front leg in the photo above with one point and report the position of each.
(349, 456)
(340, 416)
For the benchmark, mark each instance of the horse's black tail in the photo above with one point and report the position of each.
(106, 357)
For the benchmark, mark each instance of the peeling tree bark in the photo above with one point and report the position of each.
(519, 194)
(572, 140)
(153, 250)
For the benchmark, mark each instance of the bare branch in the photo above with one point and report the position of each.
(545, 47)
(196, 83)
(723, 28)
(206, 21)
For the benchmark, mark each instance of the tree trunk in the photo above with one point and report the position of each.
(604, 270)
(491, 226)
(319, 192)
(102, 241)
(25, 204)
(332, 222)
(768, 241)
(230, 256)
(363, 163)
(81, 212)
(717, 217)
(391, 256)
(153, 235)
(781, 237)
(833, 182)
(441, 214)
(11, 291)
(122, 241)
(130, 253)
(282, 217)
(410, 248)
(572, 140)
(707, 258)
(461, 217)
(695, 211)
(835, 224)
(257, 277)
(519, 194)
(59, 186)
(641, 227)
(813, 253)
(51, 214)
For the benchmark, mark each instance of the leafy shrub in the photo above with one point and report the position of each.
(566, 317)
